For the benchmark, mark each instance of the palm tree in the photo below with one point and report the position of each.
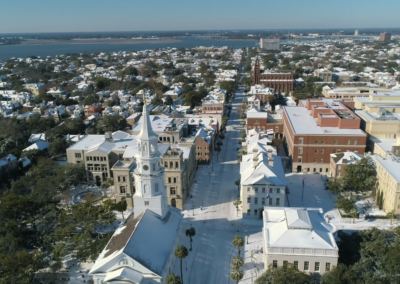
(191, 233)
(238, 242)
(237, 262)
(391, 215)
(181, 252)
(236, 275)
(173, 279)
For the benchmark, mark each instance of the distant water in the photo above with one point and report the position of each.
(23, 51)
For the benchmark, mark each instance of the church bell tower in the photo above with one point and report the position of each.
(149, 175)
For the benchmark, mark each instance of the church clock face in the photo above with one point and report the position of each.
(146, 167)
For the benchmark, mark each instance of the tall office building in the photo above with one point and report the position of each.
(269, 43)
(385, 37)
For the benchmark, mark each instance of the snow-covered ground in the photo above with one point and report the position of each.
(315, 195)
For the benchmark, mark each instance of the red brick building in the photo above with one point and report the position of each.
(318, 129)
(94, 108)
(281, 82)
(264, 121)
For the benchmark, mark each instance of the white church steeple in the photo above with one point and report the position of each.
(149, 176)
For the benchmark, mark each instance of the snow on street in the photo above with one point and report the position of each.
(215, 218)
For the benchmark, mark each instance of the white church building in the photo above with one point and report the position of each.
(142, 249)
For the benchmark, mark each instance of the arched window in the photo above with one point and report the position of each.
(145, 187)
(152, 148)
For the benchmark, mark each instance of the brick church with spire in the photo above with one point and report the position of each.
(281, 82)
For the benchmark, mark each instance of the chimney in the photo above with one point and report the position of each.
(79, 137)
(344, 161)
(255, 152)
(270, 153)
(68, 137)
(271, 162)
(255, 162)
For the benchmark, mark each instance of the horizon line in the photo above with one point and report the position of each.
(197, 30)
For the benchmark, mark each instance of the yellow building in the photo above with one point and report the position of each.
(388, 174)
(383, 98)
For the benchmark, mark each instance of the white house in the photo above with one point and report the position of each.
(263, 182)
(300, 236)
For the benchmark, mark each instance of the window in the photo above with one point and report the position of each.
(166, 164)
(255, 200)
(316, 141)
(146, 203)
(314, 170)
(278, 190)
(299, 159)
(275, 264)
(334, 151)
(322, 161)
(277, 201)
(335, 142)
(348, 142)
(174, 180)
(172, 191)
(316, 267)
(122, 189)
(323, 141)
(263, 201)
(255, 212)
(327, 267)
(320, 170)
(263, 190)
(78, 155)
(248, 200)
(338, 174)
(256, 189)
(315, 160)
(87, 158)
(326, 170)
(355, 142)
(124, 178)
(285, 262)
(296, 264)
(315, 151)
(322, 151)
(306, 265)
(248, 211)
(300, 150)
(248, 189)
(176, 165)
(169, 180)
(339, 167)
(301, 141)
(270, 201)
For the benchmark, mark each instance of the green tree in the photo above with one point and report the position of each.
(237, 203)
(173, 279)
(391, 215)
(237, 262)
(285, 274)
(58, 147)
(181, 252)
(191, 233)
(238, 242)
(360, 176)
(236, 275)
(169, 101)
(90, 99)
(121, 207)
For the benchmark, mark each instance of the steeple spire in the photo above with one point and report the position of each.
(146, 131)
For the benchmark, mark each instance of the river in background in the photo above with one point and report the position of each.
(23, 51)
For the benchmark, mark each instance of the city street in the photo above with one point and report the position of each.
(215, 218)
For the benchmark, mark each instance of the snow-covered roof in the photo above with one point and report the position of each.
(262, 173)
(40, 145)
(307, 226)
(350, 157)
(147, 239)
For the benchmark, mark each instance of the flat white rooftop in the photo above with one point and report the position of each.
(303, 123)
